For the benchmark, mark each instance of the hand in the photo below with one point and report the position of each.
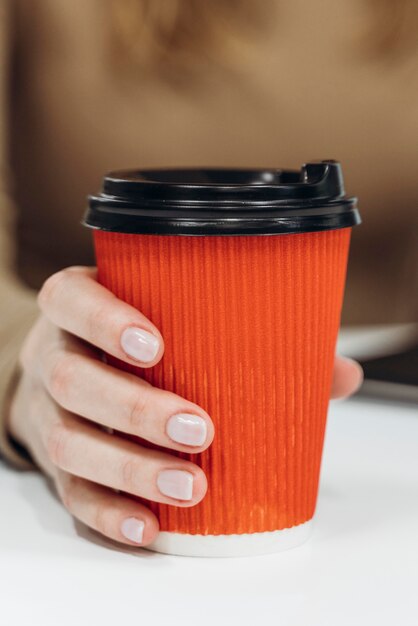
(66, 395)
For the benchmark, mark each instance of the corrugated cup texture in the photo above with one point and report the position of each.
(250, 325)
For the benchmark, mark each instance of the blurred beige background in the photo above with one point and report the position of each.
(89, 86)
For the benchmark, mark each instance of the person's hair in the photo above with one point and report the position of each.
(154, 33)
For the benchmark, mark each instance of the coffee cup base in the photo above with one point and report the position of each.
(247, 544)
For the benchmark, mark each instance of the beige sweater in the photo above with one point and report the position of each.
(304, 92)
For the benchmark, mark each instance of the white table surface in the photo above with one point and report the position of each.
(359, 568)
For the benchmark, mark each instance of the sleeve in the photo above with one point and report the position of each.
(18, 307)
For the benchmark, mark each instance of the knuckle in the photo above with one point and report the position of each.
(138, 409)
(32, 345)
(66, 492)
(51, 286)
(101, 518)
(97, 320)
(57, 444)
(129, 473)
(62, 375)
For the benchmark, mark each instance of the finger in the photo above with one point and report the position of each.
(73, 300)
(348, 377)
(82, 450)
(122, 401)
(24, 419)
(112, 515)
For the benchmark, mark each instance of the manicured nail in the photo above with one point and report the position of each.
(132, 529)
(140, 344)
(176, 484)
(187, 428)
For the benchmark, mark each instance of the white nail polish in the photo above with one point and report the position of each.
(132, 529)
(140, 344)
(176, 484)
(188, 429)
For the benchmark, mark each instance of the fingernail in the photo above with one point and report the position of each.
(132, 529)
(176, 484)
(187, 428)
(359, 372)
(140, 344)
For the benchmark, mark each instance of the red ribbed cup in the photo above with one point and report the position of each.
(250, 325)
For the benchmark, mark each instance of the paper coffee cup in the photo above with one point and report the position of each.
(243, 273)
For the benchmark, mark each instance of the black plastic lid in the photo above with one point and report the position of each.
(224, 201)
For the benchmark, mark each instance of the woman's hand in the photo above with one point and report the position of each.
(66, 395)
